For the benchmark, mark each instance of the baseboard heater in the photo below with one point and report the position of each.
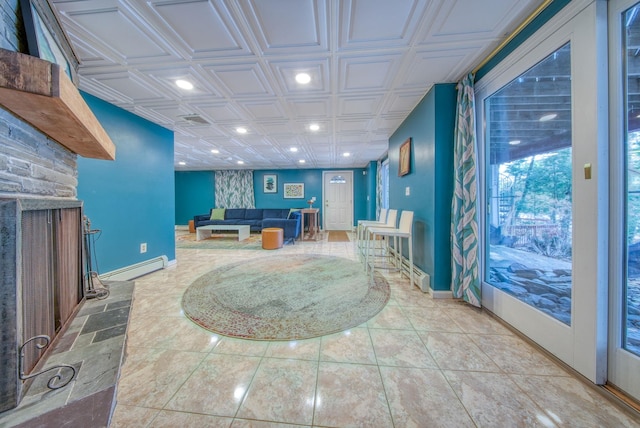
(128, 273)
(420, 278)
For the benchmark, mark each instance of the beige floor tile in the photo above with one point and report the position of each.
(308, 349)
(514, 355)
(401, 348)
(351, 346)
(177, 333)
(391, 317)
(456, 351)
(282, 391)
(422, 398)
(474, 320)
(169, 419)
(350, 395)
(150, 378)
(431, 319)
(494, 400)
(568, 402)
(217, 386)
(131, 416)
(231, 346)
(245, 423)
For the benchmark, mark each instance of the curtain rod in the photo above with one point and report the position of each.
(511, 36)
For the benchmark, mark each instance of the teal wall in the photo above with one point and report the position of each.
(430, 180)
(370, 200)
(194, 189)
(195, 192)
(129, 199)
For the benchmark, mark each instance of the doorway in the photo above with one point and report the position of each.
(337, 207)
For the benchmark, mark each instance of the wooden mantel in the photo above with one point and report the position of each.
(40, 93)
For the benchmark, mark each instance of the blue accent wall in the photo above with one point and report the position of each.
(193, 191)
(131, 199)
(195, 194)
(430, 180)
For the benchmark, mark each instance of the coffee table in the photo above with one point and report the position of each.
(203, 232)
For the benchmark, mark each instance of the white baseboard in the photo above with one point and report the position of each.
(442, 294)
(130, 272)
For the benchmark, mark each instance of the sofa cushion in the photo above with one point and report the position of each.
(253, 214)
(291, 211)
(217, 214)
(274, 213)
(235, 213)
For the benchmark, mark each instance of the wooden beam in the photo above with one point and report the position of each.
(39, 93)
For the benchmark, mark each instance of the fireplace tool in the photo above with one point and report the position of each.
(95, 289)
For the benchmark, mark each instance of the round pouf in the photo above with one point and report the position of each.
(272, 238)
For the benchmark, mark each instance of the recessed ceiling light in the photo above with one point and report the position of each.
(547, 117)
(182, 163)
(301, 161)
(216, 151)
(293, 149)
(241, 130)
(184, 84)
(240, 162)
(515, 142)
(303, 78)
(314, 127)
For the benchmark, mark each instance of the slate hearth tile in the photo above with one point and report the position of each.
(120, 304)
(88, 309)
(66, 342)
(106, 320)
(110, 332)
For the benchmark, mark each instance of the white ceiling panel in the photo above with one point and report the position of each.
(188, 19)
(285, 25)
(125, 38)
(370, 62)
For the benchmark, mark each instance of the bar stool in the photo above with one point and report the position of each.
(404, 231)
(392, 218)
(382, 219)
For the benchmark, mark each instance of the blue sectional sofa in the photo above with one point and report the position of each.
(257, 218)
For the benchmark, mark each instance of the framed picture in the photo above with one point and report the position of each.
(270, 183)
(45, 37)
(404, 164)
(294, 190)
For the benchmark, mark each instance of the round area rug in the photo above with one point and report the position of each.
(285, 297)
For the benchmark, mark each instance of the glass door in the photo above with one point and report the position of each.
(624, 297)
(544, 187)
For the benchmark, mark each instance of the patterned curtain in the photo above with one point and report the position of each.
(234, 189)
(378, 188)
(464, 219)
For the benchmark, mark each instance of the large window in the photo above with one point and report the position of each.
(529, 180)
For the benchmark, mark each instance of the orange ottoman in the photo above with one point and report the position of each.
(272, 238)
(192, 227)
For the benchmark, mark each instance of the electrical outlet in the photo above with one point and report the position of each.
(407, 191)
(143, 247)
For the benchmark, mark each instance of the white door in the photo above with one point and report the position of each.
(624, 295)
(544, 187)
(337, 209)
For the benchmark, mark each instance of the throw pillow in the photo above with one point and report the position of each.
(292, 210)
(217, 214)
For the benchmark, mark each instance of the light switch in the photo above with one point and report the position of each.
(587, 171)
(407, 191)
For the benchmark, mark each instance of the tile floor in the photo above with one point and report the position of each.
(419, 363)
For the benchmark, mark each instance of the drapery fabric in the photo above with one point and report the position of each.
(378, 188)
(465, 282)
(234, 189)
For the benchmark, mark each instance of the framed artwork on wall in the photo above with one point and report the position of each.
(46, 39)
(270, 183)
(404, 163)
(294, 190)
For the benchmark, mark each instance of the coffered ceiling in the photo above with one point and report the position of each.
(370, 63)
